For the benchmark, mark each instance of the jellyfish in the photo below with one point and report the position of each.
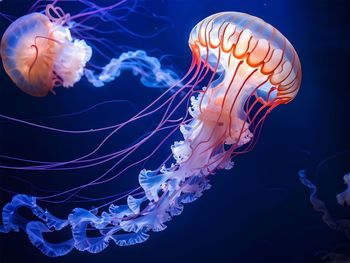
(336, 223)
(242, 68)
(37, 55)
(39, 52)
(343, 199)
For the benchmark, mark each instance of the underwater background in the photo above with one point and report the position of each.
(256, 212)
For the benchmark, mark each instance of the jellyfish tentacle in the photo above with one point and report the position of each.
(317, 204)
(149, 68)
(134, 223)
(56, 14)
(35, 230)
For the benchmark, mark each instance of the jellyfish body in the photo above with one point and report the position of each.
(252, 68)
(253, 58)
(39, 54)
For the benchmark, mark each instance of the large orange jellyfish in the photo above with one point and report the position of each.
(258, 70)
(249, 67)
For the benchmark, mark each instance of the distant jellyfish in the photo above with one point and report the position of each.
(343, 199)
(248, 68)
(39, 53)
(334, 222)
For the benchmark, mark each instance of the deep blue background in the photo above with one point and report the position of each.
(258, 211)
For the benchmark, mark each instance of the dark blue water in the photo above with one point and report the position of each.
(256, 212)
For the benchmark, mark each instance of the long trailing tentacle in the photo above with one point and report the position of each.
(149, 68)
(125, 225)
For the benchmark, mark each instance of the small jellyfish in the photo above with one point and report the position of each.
(44, 50)
(39, 53)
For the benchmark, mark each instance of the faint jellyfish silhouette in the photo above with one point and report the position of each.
(342, 198)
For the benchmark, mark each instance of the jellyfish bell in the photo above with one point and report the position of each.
(255, 62)
(39, 53)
